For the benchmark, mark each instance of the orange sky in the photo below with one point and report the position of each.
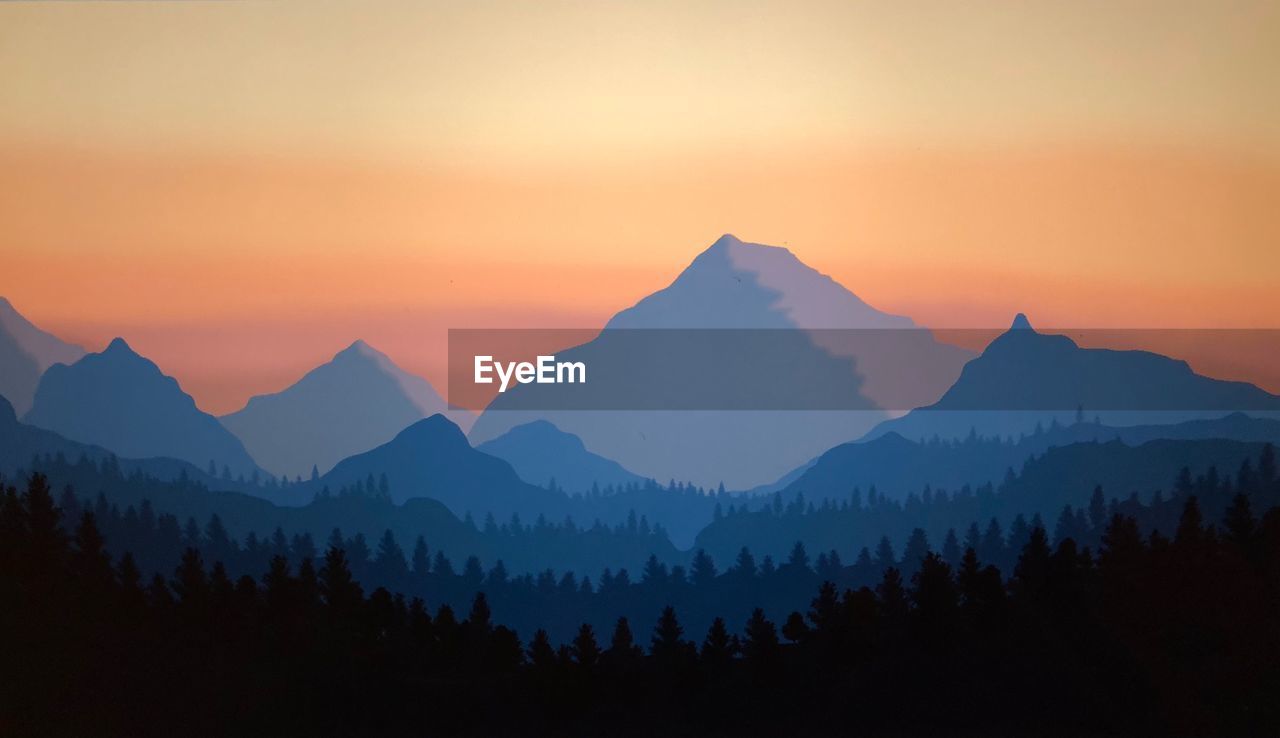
(241, 189)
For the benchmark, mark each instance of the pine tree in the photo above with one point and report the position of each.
(189, 582)
(1031, 575)
(668, 643)
(541, 654)
(717, 648)
(90, 563)
(421, 559)
(798, 558)
(337, 586)
(390, 561)
(655, 572)
(1241, 525)
(951, 552)
(622, 646)
(45, 539)
(884, 555)
(1267, 467)
(760, 647)
(480, 617)
(892, 594)
(916, 549)
(1190, 526)
(585, 649)
(934, 592)
(1097, 511)
(795, 629)
(703, 571)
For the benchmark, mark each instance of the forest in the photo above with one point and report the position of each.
(1128, 618)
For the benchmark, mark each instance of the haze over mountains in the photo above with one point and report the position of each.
(122, 401)
(432, 458)
(896, 466)
(25, 353)
(738, 285)
(359, 417)
(542, 453)
(1025, 377)
(351, 404)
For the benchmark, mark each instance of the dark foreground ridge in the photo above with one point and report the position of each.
(1172, 633)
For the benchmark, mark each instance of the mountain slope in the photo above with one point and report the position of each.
(432, 458)
(1061, 475)
(121, 401)
(354, 402)
(1025, 377)
(25, 353)
(734, 284)
(897, 466)
(731, 286)
(541, 452)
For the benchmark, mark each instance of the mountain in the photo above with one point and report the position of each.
(773, 315)
(122, 401)
(352, 403)
(1043, 485)
(432, 458)
(896, 466)
(25, 353)
(133, 498)
(541, 452)
(1025, 377)
(21, 444)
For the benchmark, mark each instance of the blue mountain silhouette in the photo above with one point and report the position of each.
(1025, 377)
(735, 285)
(432, 458)
(122, 401)
(25, 353)
(348, 405)
(896, 466)
(541, 452)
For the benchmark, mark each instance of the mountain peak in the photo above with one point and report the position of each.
(26, 352)
(727, 240)
(434, 429)
(358, 347)
(729, 244)
(122, 401)
(1020, 323)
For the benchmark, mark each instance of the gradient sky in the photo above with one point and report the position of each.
(243, 188)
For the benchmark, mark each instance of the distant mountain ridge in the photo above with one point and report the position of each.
(22, 444)
(25, 353)
(120, 400)
(738, 285)
(348, 405)
(1025, 377)
(542, 453)
(1059, 476)
(897, 466)
(432, 458)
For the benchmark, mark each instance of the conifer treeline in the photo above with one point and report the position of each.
(701, 587)
(1176, 633)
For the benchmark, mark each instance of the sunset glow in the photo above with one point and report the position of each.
(243, 194)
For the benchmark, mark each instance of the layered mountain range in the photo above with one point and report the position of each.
(766, 301)
(25, 353)
(359, 419)
(121, 400)
(350, 404)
